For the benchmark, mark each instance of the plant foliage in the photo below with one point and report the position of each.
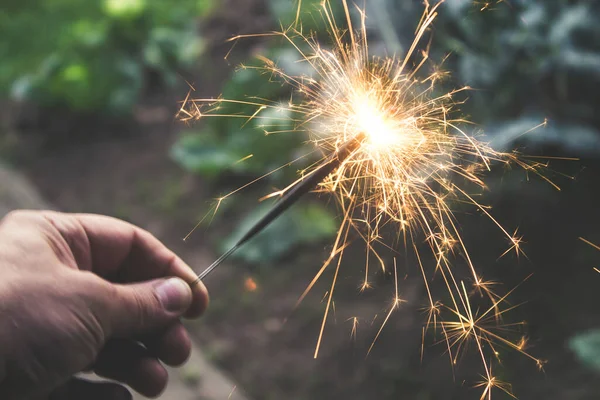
(215, 146)
(525, 56)
(586, 346)
(306, 223)
(94, 56)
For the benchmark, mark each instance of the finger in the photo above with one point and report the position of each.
(172, 346)
(122, 252)
(129, 362)
(127, 311)
(78, 389)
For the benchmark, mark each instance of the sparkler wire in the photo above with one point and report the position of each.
(290, 198)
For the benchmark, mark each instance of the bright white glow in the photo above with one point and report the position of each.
(380, 130)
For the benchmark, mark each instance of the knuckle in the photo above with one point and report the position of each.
(144, 307)
(101, 297)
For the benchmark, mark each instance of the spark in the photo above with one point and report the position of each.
(249, 156)
(396, 302)
(250, 285)
(482, 328)
(415, 162)
(597, 247)
(489, 383)
(489, 5)
(354, 330)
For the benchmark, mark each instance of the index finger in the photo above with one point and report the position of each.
(124, 253)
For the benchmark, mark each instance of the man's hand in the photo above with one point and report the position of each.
(89, 293)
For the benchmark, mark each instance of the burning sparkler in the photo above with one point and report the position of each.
(394, 154)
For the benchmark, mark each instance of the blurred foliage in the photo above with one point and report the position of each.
(284, 13)
(94, 56)
(586, 347)
(525, 56)
(305, 223)
(214, 147)
(217, 145)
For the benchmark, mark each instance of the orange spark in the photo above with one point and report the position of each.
(250, 285)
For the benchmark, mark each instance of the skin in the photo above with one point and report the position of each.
(89, 293)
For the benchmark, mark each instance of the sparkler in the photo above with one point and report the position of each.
(395, 155)
(292, 196)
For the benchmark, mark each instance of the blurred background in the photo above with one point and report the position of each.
(89, 91)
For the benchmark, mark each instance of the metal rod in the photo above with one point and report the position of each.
(290, 198)
(214, 265)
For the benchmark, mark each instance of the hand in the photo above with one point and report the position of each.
(89, 293)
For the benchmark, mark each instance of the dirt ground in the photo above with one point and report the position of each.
(267, 346)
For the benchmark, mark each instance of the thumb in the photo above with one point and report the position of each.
(140, 308)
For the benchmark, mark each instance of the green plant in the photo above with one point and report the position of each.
(586, 347)
(524, 57)
(218, 143)
(302, 224)
(94, 56)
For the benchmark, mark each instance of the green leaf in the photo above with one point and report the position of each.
(303, 224)
(124, 8)
(285, 12)
(199, 153)
(76, 73)
(205, 7)
(89, 33)
(243, 137)
(94, 56)
(586, 347)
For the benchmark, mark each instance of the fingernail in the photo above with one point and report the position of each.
(174, 294)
